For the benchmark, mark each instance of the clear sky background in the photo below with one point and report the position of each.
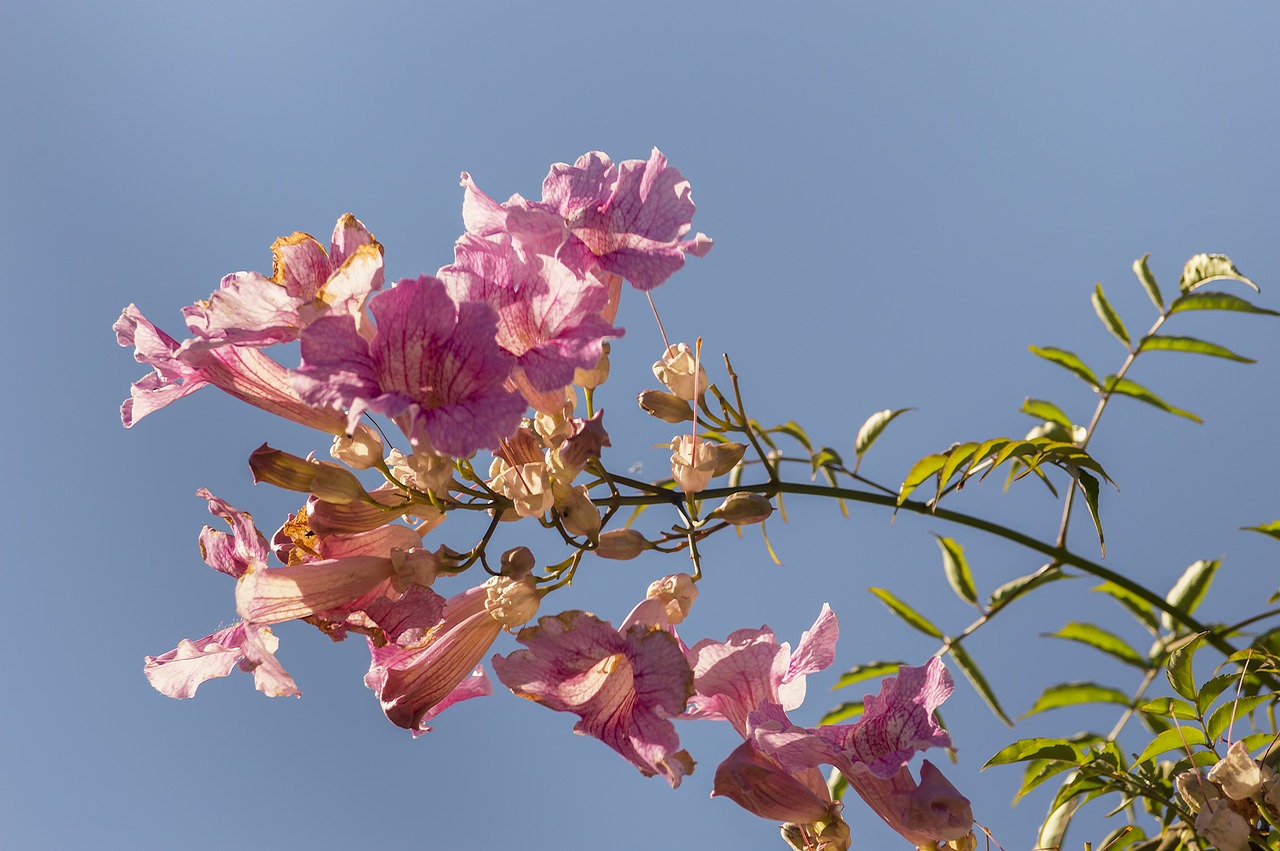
(902, 197)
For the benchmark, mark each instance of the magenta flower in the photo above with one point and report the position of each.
(548, 316)
(414, 683)
(306, 283)
(734, 677)
(180, 370)
(873, 753)
(628, 219)
(623, 687)
(432, 365)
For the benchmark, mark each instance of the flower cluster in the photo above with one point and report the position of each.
(490, 354)
(1237, 794)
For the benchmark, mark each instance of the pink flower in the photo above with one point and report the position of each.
(180, 370)
(624, 687)
(180, 672)
(548, 316)
(759, 785)
(306, 283)
(433, 365)
(627, 219)
(734, 677)
(873, 753)
(416, 682)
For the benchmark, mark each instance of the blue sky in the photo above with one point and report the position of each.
(902, 199)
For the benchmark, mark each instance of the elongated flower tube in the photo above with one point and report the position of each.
(413, 682)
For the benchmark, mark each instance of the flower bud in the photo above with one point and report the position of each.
(676, 593)
(693, 462)
(621, 544)
(676, 371)
(727, 456)
(413, 566)
(329, 482)
(597, 375)
(424, 470)
(518, 562)
(667, 407)
(511, 602)
(743, 509)
(578, 514)
(360, 451)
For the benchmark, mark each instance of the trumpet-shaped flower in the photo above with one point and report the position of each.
(624, 687)
(306, 283)
(433, 365)
(179, 370)
(415, 682)
(734, 677)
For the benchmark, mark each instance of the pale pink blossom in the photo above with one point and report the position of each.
(180, 672)
(624, 687)
(306, 283)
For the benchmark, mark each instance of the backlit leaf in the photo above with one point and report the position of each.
(1178, 668)
(1089, 487)
(971, 672)
(1067, 360)
(1095, 636)
(1272, 529)
(1148, 281)
(1171, 707)
(842, 713)
(1190, 589)
(1140, 608)
(872, 428)
(1203, 268)
(1110, 319)
(919, 472)
(1165, 343)
(1178, 739)
(1217, 301)
(957, 570)
(1070, 694)
(1056, 750)
(1126, 387)
(1042, 410)
(1225, 716)
(1015, 588)
(908, 614)
(866, 671)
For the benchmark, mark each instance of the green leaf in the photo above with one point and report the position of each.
(1166, 343)
(1177, 739)
(1100, 639)
(1055, 750)
(1190, 589)
(872, 428)
(858, 673)
(1042, 410)
(956, 457)
(1140, 608)
(1178, 668)
(1217, 301)
(792, 429)
(987, 448)
(1015, 588)
(921, 470)
(1089, 487)
(908, 614)
(842, 713)
(1148, 281)
(1203, 268)
(1171, 707)
(1235, 710)
(1067, 360)
(1214, 687)
(970, 669)
(1070, 694)
(1126, 387)
(957, 570)
(1017, 447)
(1108, 315)
(1037, 772)
(1272, 529)
(824, 457)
